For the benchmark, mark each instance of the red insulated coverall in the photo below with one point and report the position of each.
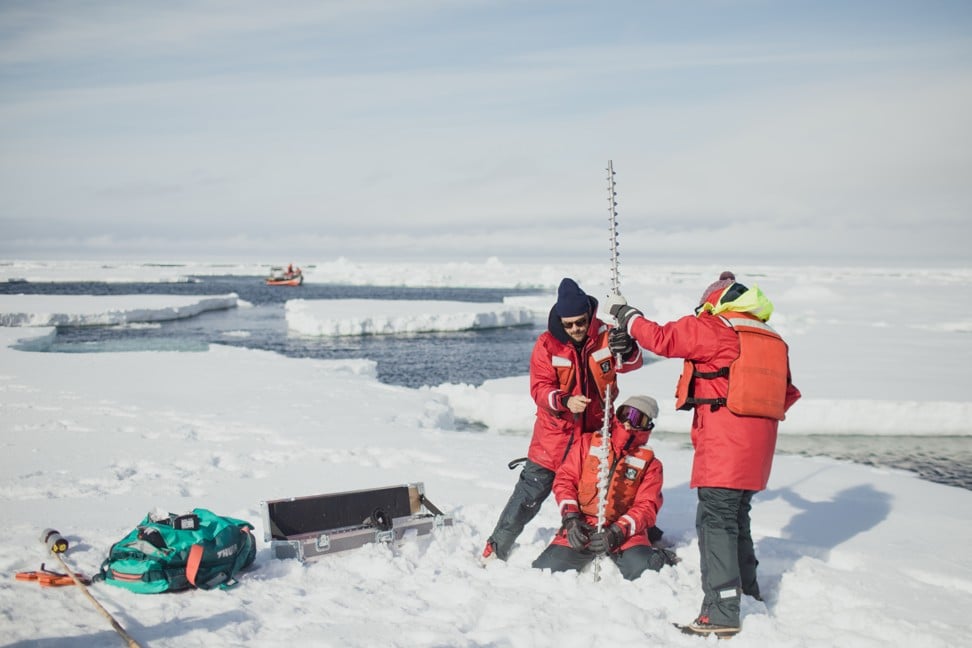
(730, 451)
(635, 491)
(558, 369)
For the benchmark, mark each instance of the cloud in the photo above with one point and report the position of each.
(393, 127)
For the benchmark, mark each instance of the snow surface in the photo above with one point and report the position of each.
(850, 555)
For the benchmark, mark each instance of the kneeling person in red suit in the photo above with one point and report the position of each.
(633, 499)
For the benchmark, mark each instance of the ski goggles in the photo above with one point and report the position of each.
(636, 418)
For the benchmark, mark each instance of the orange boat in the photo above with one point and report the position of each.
(290, 277)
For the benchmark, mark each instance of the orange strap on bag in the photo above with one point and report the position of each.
(192, 563)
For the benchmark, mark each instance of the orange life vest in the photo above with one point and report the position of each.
(627, 473)
(600, 364)
(757, 378)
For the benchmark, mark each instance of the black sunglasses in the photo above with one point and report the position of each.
(577, 323)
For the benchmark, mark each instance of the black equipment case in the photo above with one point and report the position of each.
(318, 525)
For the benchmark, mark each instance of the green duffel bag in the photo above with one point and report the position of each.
(198, 549)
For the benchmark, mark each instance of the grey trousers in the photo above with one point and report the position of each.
(728, 559)
(532, 488)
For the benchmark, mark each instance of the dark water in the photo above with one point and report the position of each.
(426, 359)
(940, 459)
(411, 360)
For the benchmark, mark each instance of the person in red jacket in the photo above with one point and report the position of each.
(634, 497)
(571, 366)
(737, 380)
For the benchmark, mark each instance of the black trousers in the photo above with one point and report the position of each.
(728, 559)
(632, 562)
(531, 489)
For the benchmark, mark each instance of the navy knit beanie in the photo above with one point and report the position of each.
(571, 300)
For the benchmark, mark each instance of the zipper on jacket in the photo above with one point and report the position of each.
(567, 450)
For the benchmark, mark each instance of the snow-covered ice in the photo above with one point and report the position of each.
(85, 310)
(328, 317)
(850, 555)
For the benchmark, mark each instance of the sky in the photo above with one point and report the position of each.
(817, 132)
(850, 555)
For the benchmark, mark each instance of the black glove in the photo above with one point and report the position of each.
(655, 534)
(606, 541)
(617, 305)
(620, 342)
(578, 531)
(623, 313)
(658, 558)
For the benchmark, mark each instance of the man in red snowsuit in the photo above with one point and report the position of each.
(733, 448)
(632, 502)
(570, 367)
